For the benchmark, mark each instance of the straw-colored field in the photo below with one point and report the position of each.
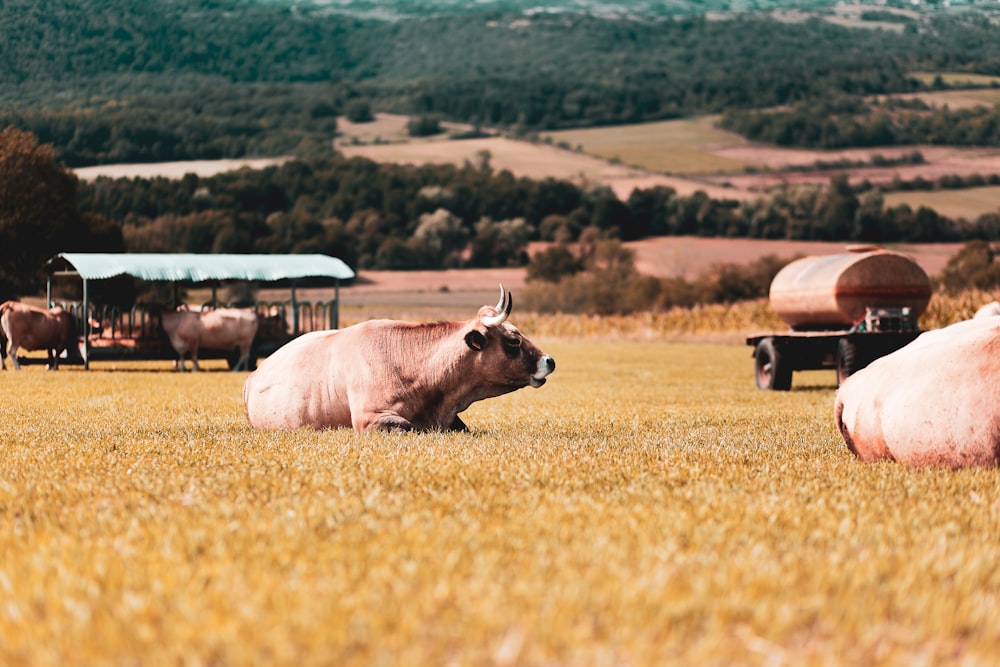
(695, 154)
(971, 90)
(647, 506)
(539, 161)
(956, 79)
(674, 146)
(958, 99)
(967, 203)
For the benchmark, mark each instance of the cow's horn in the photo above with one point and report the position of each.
(503, 308)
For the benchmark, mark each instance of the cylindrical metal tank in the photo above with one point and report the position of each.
(832, 291)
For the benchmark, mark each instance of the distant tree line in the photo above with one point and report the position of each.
(946, 182)
(877, 160)
(834, 126)
(408, 217)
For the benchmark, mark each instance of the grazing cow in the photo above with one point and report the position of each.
(934, 402)
(33, 328)
(990, 309)
(391, 375)
(222, 329)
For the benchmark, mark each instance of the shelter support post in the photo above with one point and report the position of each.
(335, 314)
(295, 312)
(86, 327)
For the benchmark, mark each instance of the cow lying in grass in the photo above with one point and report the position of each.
(390, 375)
(934, 402)
(31, 328)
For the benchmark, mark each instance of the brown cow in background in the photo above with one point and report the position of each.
(222, 329)
(391, 375)
(34, 328)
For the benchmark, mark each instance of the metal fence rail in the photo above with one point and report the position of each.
(134, 333)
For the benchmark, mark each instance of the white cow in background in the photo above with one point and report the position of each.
(222, 329)
(934, 402)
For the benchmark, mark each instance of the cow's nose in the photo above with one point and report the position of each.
(545, 366)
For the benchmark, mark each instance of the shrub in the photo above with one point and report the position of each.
(424, 126)
(729, 282)
(971, 267)
(359, 110)
(552, 264)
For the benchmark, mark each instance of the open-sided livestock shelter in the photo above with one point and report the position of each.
(132, 333)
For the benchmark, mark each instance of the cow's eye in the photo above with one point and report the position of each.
(512, 343)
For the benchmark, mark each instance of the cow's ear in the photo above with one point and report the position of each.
(476, 340)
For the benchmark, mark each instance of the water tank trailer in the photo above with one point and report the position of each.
(843, 312)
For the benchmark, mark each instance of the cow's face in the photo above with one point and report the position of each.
(503, 356)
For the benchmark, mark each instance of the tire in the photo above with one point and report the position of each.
(772, 372)
(848, 360)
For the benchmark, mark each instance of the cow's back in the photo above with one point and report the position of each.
(300, 384)
(933, 402)
(228, 327)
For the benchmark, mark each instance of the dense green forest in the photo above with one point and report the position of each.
(126, 80)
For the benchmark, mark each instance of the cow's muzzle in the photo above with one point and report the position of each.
(545, 366)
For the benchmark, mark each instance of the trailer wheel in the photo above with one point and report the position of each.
(849, 360)
(771, 371)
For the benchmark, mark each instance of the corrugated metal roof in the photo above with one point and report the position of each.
(198, 268)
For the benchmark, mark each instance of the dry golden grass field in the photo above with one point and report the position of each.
(647, 506)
